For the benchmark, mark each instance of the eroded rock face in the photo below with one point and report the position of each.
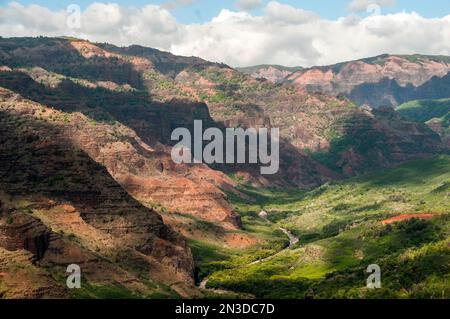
(378, 138)
(322, 137)
(19, 231)
(135, 149)
(47, 163)
(442, 129)
(26, 261)
(85, 143)
(381, 81)
(272, 74)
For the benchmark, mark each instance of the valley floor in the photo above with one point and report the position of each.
(398, 219)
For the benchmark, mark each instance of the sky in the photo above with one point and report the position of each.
(244, 32)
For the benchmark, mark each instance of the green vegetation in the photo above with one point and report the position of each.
(358, 135)
(90, 291)
(116, 291)
(341, 233)
(210, 257)
(416, 58)
(425, 110)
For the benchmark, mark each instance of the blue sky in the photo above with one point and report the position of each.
(203, 10)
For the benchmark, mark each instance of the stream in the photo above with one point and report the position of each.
(292, 238)
(292, 241)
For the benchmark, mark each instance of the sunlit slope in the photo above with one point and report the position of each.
(344, 227)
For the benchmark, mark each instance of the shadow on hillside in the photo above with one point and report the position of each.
(36, 162)
(414, 173)
(366, 143)
(387, 92)
(342, 252)
(59, 56)
(153, 121)
(165, 62)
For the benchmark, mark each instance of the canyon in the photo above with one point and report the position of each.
(86, 174)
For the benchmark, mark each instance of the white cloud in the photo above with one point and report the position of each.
(111, 16)
(282, 35)
(247, 5)
(368, 5)
(31, 18)
(284, 13)
(174, 4)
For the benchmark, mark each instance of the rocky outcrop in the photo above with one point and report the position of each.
(165, 62)
(272, 73)
(369, 139)
(441, 128)
(20, 231)
(317, 130)
(388, 92)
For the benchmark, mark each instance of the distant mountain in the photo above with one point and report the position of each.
(273, 73)
(385, 80)
(390, 93)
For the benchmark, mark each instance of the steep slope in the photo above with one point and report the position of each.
(386, 80)
(164, 62)
(313, 125)
(435, 113)
(389, 92)
(424, 110)
(152, 96)
(137, 126)
(44, 173)
(142, 98)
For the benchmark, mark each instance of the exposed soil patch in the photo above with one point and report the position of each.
(406, 217)
(239, 240)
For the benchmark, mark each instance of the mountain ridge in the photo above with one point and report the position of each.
(356, 78)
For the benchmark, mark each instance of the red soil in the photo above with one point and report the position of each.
(406, 217)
